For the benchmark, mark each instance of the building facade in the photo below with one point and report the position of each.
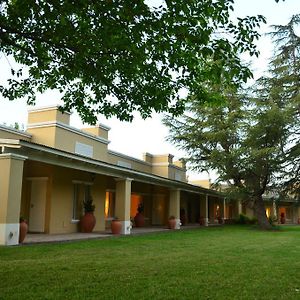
(47, 172)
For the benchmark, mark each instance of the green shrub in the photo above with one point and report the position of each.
(272, 220)
(242, 219)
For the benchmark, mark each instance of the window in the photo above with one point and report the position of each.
(109, 208)
(81, 192)
(76, 204)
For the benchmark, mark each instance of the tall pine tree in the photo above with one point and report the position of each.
(251, 139)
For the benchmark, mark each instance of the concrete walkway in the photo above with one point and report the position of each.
(37, 238)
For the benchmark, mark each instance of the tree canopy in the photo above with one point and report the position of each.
(251, 138)
(116, 57)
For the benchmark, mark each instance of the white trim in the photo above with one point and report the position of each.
(11, 142)
(75, 221)
(124, 164)
(126, 227)
(82, 182)
(12, 156)
(128, 157)
(99, 125)
(46, 108)
(68, 128)
(122, 179)
(15, 131)
(9, 234)
(178, 223)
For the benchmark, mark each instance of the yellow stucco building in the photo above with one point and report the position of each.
(47, 172)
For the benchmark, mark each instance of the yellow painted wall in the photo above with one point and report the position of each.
(66, 141)
(10, 189)
(203, 183)
(62, 200)
(43, 135)
(161, 171)
(135, 165)
(15, 136)
(59, 203)
(34, 170)
(96, 131)
(48, 115)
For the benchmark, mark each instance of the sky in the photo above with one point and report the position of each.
(149, 135)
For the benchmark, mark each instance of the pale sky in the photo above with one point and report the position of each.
(149, 135)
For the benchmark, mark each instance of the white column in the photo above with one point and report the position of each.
(274, 210)
(174, 206)
(123, 202)
(239, 207)
(224, 211)
(11, 166)
(204, 210)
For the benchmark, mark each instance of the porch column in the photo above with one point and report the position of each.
(223, 211)
(204, 210)
(298, 214)
(174, 206)
(11, 166)
(211, 210)
(239, 207)
(274, 210)
(122, 205)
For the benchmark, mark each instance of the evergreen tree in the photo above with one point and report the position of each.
(283, 85)
(250, 140)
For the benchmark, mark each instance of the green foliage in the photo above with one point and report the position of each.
(284, 86)
(272, 220)
(242, 220)
(251, 138)
(115, 57)
(140, 208)
(88, 204)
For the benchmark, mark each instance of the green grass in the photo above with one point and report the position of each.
(231, 262)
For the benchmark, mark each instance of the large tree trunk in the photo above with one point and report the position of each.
(260, 213)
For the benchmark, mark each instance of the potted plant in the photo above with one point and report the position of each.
(172, 222)
(139, 219)
(88, 221)
(116, 226)
(23, 229)
(220, 220)
(201, 221)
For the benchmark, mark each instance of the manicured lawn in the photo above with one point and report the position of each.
(214, 263)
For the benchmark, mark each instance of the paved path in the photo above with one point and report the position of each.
(36, 238)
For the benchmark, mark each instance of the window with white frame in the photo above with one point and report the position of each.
(81, 192)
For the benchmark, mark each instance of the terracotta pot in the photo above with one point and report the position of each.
(201, 221)
(23, 231)
(139, 220)
(116, 227)
(88, 222)
(172, 223)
